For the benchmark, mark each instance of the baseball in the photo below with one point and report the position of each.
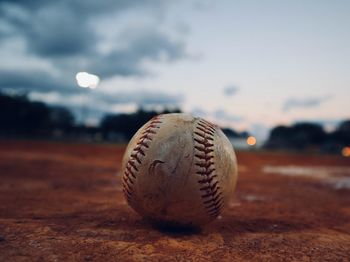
(179, 170)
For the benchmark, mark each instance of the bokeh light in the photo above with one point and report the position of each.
(346, 151)
(251, 140)
(87, 80)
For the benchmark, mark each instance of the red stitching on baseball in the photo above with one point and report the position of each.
(201, 134)
(151, 131)
(206, 125)
(142, 143)
(126, 191)
(205, 130)
(128, 168)
(206, 164)
(132, 163)
(206, 172)
(212, 187)
(206, 150)
(204, 141)
(205, 157)
(140, 150)
(145, 136)
(128, 174)
(212, 198)
(136, 156)
(211, 192)
(217, 198)
(207, 180)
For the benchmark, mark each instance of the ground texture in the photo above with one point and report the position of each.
(64, 202)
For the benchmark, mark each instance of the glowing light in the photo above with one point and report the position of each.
(87, 80)
(251, 140)
(346, 151)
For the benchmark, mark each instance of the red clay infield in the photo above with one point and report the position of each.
(64, 202)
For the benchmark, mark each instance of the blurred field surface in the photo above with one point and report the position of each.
(64, 202)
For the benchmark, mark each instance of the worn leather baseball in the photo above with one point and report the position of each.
(179, 170)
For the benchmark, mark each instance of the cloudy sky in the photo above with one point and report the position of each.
(248, 64)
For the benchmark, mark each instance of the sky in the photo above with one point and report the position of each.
(247, 64)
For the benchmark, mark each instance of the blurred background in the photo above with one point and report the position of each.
(273, 74)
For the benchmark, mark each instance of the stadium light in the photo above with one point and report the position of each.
(346, 151)
(251, 141)
(86, 80)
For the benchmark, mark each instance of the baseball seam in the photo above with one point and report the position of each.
(204, 147)
(136, 156)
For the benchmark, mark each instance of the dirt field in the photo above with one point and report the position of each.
(63, 202)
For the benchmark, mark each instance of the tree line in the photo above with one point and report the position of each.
(20, 117)
(309, 136)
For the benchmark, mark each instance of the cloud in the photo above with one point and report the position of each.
(309, 102)
(142, 98)
(218, 115)
(230, 90)
(83, 6)
(92, 106)
(103, 102)
(223, 115)
(61, 28)
(68, 34)
(197, 111)
(145, 43)
(51, 30)
(33, 80)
